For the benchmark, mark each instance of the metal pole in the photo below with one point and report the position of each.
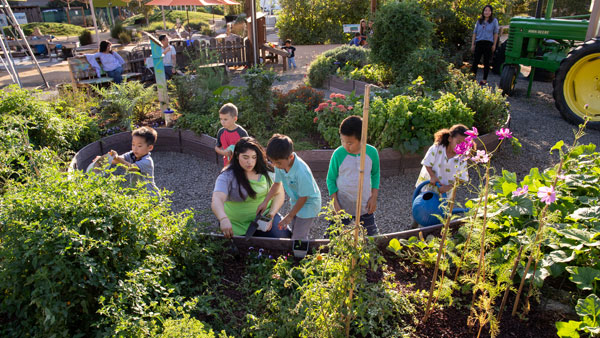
(20, 31)
(254, 28)
(91, 2)
(10, 67)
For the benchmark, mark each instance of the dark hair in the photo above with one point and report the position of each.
(442, 136)
(280, 147)
(352, 126)
(162, 37)
(288, 41)
(482, 18)
(147, 133)
(104, 46)
(357, 34)
(229, 108)
(261, 167)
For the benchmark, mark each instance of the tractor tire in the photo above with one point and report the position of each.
(508, 79)
(498, 58)
(577, 85)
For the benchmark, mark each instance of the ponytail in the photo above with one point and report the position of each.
(442, 136)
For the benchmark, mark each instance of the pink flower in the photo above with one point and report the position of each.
(340, 96)
(315, 119)
(547, 194)
(333, 103)
(331, 108)
(329, 101)
(481, 157)
(472, 134)
(521, 191)
(463, 148)
(503, 133)
(562, 177)
(317, 110)
(342, 108)
(332, 96)
(350, 107)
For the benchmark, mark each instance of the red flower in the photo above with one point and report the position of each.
(315, 119)
(350, 107)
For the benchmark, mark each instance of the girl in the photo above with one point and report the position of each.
(441, 164)
(241, 187)
(112, 62)
(485, 37)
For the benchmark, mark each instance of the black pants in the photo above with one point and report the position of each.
(482, 48)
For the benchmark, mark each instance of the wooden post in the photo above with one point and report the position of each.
(91, 2)
(594, 18)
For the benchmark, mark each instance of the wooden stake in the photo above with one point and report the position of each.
(361, 178)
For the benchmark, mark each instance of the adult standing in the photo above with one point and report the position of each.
(112, 62)
(169, 56)
(241, 187)
(485, 38)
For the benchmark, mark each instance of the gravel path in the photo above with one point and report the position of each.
(535, 121)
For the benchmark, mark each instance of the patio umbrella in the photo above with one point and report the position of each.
(188, 3)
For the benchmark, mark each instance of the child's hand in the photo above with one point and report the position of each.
(226, 227)
(262, 207)
(372, 204)
(229, 153)
(96, 159)
(433, 180)
(336, 206)
(445, 188)
(285, 222)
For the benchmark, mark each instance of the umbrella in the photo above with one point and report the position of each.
(188, 3)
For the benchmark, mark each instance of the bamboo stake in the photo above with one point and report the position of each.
(361, 178)
(512, 275)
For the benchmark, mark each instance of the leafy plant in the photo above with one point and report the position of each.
(372, 73)
(85, 38)
(331, 113)
(328, 62)
(305, 95)
(116, 30)
(427, 63)
(125, 37)
(126, 104)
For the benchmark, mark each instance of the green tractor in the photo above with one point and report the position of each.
(568, 46)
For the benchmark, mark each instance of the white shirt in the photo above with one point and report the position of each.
(444, 168)
(168, 56)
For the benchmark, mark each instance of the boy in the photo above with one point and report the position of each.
(344, 171)
(291, 51)
(356, 40)
(230, 133)
(298, 182)
(138, 159)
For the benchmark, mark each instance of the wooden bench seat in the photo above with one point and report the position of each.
(83, 74)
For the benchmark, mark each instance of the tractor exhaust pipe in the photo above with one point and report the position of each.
(538, 9)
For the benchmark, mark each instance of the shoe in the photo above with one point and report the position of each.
(482, 82)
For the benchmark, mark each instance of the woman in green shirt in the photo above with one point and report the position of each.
(241, 187)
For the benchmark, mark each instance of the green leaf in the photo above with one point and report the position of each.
(586, 213)
(509, 176)
(589, 309)
(469, 204)
(508, 188)
(557, 146)
(583, 276)
(555, 261)
(523, 207)
(582, 236)
(568, 329)
(394, 246)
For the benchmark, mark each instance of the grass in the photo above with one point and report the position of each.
(197, 19)
(51, 28)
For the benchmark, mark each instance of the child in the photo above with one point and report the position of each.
(228, 136)
(298, 182)
(356, 40)
(138, 159)
(291, 51)
(441, 164)
(344, 171)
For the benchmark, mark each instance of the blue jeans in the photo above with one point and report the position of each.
(275, 232)
(168, 72)
(291, 61)
(116, 74)
(367, 221)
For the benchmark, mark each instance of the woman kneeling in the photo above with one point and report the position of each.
(241, 187)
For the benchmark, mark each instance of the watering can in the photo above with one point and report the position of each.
(427, 203)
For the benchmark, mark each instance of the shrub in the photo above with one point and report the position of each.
(298, 122)
(400, 28)
(331, 113)
(126, 104)
(85, 38)
(308, 96)
(318, 21)
(427, 63)
(256, 103)
(187, 327)
(116, 30)
(490, 106)
(327, 63)
(49, 28)
(125, 37)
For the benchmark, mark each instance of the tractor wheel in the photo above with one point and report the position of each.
(577, 85)
(508, 79)
(498, 59)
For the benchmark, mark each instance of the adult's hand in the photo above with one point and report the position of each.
(472, 48)
(262, 207)
(493, 48)
(226, 227)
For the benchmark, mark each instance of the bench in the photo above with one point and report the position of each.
(83, 74)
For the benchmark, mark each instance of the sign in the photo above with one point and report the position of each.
(352, 28)
(21, 19)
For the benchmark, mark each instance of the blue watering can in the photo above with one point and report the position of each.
(427, 203)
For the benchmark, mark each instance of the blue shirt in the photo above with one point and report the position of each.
(299, 182)
(486, 30)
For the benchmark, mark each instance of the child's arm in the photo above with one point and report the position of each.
(121, 160)
(295, 209)
(375, 178)
(272, 192)
(332, 175)
(278, 201)
(433, 179)
(372, 202)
